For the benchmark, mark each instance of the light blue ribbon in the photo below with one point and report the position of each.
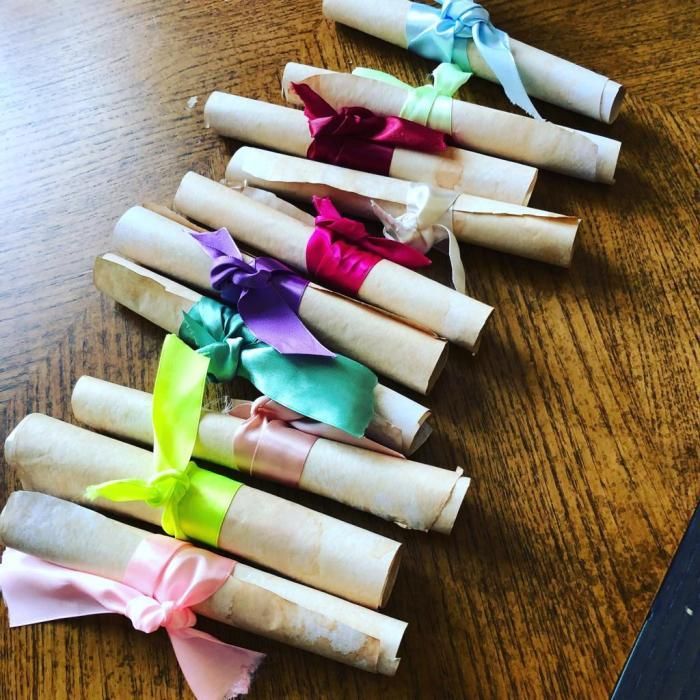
(442, 33)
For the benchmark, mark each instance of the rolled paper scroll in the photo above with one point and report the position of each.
(70, 536)
(454, 33)
(388, 286)
(286, 129)
(397, 421)
(512, 136)
(63, 460)
(509, 228)
(412, 494)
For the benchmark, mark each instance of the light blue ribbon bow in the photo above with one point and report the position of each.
(442, 33)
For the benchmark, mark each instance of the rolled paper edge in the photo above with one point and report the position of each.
(611, 101)
(450, 510)
(391, 576)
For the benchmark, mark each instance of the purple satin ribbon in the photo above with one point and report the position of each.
(266, 294)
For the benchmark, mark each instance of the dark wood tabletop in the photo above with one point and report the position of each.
(577, 420)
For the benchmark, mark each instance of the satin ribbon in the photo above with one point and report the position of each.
(355, 137)
(194, 501)
(442, 33)
(162, 582)
(427, 222)
(341, 253)
(266, 294)
(430, 105)
(334, 390)
(274, 442)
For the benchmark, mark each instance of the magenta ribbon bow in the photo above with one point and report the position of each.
(267, 295)
(163, 581)
(341, 252)
(355, 137)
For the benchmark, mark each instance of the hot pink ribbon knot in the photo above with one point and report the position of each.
(341, 253)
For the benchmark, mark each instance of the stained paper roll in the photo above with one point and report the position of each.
(398, 422)
(548, 77)
(285, 129)
(509, 228)
(63, 460)
(389, 286)
(383, 343)
(69, 535)
(412, 494)
(511, 136)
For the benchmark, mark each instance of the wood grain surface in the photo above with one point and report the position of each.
(577, 420)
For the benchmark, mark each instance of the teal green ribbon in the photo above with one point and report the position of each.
(429, 105)
(333, 390)
(443, 34)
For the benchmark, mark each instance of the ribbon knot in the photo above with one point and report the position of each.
(148, 615)
(443, 34)
(266, 294)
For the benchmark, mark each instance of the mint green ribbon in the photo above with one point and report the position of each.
(333, 390)
(429, 105)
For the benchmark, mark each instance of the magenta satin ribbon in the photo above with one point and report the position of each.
(356, 138)
(164, 579)
(274, 442)
(341, 253)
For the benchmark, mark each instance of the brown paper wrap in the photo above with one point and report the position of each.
(511, 136)
(545, 76)
(383, 343)
(412, 494)
(285, 129)
(389, 286)
(78, 538)
(509, 228)
(63, 460)
(398, 422)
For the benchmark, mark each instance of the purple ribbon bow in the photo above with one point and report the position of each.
(266, 294)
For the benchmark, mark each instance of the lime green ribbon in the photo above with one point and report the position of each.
(194, 501)
(333, 390)
(429, 105)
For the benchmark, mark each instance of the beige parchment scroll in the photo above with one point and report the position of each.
(502, 134)
(69, 535)
(545, 76)
(509, 228)
(398, 422)
(285, 129)
(63, 460)
(383, 343)
(412, 494)
(389, 286)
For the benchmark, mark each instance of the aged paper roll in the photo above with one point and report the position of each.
(512, 136)
(383, 343)
(69, 535)
(389, 286)
(63, 460)
(509, 228)
(412, 494)
(398, 422)
(548, 77)
(285, 129)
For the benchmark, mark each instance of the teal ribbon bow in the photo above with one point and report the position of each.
(333, 390)
(442, 34)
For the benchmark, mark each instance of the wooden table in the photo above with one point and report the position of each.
(577, 420)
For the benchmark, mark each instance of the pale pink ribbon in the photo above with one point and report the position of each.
(274, 442)
(163, 580)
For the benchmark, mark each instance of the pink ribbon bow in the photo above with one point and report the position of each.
(274, 442)
(164, 579)
(341, 253)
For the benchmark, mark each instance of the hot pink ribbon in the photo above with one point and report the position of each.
(341, 253)
(164, 579)
(274, 442)
(355, 137)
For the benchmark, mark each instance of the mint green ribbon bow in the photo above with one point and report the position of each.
(429, 105)
(333, 390)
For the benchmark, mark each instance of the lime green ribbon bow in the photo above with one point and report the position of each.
(429, 105)
(194, 501)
